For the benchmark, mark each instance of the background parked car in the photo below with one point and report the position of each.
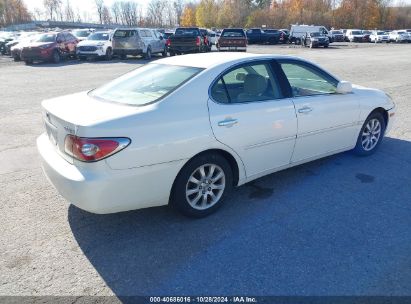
(212, 36)
(354, 35)
(187, 40)
(399, 36)
(6, 37)
(138, 41)
(233, 39)
(337, 36)
(379, 36)
(15, 51)
(366, 35)
(206, 39)
(299, 31)
(50, 46)
(259, 36)
(97, 45)
(284, 36)
(315, 39)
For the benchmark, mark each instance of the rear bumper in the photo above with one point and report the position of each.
(184, 49)
(132, 52)
(232, 48)
(98, 189)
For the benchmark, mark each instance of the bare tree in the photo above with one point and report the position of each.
(100, 8)
(68, 12)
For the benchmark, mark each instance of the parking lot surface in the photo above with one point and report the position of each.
(336, 226)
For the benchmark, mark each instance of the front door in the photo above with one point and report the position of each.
(327, 121)
(249, 114)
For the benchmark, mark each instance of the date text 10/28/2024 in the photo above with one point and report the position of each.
(203, 300)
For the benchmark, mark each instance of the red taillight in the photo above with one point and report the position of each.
(168, 42)
(198, 41)
(93, 149)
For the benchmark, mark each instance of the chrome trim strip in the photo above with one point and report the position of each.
(329, 129)
(269, 142)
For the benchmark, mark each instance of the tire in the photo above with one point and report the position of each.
(123, 57)
(56, 57)
(27, 62)
(326, 46)
(375, 126)
(164, 53)
(109, 54)
(193, 193)
(172, 53)
(16, 58)
(82, 58)
(147, 54)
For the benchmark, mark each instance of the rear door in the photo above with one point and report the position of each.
(250, 113)
(327, 121)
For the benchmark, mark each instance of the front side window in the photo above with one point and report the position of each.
(248, 83)
(146, 84)
(307, 81)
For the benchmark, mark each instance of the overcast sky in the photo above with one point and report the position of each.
(88, 6)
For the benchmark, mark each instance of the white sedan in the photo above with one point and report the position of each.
(185, 130)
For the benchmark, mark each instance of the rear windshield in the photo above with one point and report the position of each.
(99, 36)
(146, 84)
(46, 38)
(81, 33)
(233, 33)
(356, 32)
(187, 32)
(124, 33)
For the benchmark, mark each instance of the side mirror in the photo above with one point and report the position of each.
(161, 37)
(344, 87)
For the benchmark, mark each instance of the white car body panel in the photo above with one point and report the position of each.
(269, 136)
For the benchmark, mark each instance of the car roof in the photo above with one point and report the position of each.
(208, 60)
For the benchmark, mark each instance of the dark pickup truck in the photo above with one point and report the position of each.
(259, 36)
(186, 40)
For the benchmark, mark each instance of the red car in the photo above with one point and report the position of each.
(51, 46)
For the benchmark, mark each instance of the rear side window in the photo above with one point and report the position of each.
(248, 83)
(146, 84)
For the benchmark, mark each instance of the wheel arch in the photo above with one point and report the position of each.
(235, 166)
(383, 112)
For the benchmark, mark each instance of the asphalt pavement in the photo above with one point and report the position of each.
(337, 226)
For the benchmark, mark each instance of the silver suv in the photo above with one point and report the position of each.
(138, 41)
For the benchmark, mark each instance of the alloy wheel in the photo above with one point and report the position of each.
(371, 134)
(205, 186)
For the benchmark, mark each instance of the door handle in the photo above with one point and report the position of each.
(227, 123)
(305, 110)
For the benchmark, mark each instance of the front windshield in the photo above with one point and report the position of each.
(81, 33)
(381, 33)
(99, 36)
(315, 34)
(46, 38)
(356, 32)
(146, 84)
